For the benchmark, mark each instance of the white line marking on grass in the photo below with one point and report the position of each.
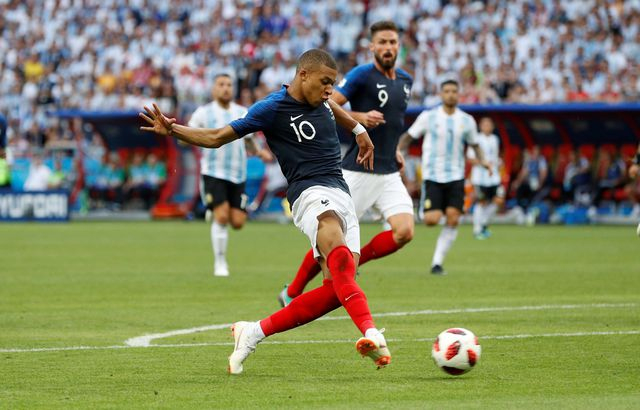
(145, 340)
(301, 342)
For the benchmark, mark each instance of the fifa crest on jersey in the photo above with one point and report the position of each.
(326, 104)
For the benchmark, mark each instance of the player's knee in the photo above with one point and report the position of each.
(403, 235)
(235, 224)
(431, 220)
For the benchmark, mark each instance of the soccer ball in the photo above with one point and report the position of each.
(456, 351)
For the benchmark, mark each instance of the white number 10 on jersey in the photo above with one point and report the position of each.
(303, 130)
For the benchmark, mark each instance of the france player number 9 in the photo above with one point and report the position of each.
(383, 97)
(300, 130)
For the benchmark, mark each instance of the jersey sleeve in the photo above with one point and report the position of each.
(197, 119)
(351, 82)
(419, 126)
(471, 134)
(258, 118)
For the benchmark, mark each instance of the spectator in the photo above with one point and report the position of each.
(531, 185)
(58, 179)
(39, 174)
(155, 177)
(136, 186)
(611, 176)
(107, 189)
(576, 185)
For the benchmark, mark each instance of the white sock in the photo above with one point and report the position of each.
(445, 240)
(478, 218)
(489, 211)
(257, 329)
(219, 239)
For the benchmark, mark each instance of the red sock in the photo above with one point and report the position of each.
(308, 270)
(343, 271)
(303, 309)
(381, 245)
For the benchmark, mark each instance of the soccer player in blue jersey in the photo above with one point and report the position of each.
(299, 123)
(224, 170)
(378, 94)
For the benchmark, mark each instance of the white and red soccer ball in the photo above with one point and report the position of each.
(456, 351)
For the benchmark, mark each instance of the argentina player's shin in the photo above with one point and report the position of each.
(299, 124)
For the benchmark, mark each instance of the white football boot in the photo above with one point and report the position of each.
(374, 346)
(247, 335)
(220, 268)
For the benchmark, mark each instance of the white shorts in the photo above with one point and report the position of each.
(317, 200)
(385, 193)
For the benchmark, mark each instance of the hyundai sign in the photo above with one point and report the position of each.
(34, 206)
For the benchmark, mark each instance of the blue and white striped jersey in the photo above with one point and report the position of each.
(490, 146)
(228, 162)
(444, 139)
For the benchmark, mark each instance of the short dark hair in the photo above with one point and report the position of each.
(314, 58)
(452, 82)
(221, 75)
(381, 26)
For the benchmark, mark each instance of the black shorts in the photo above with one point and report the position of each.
(436, 195)
(216, 191)
(486, 193)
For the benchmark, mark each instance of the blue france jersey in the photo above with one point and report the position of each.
(368, 89)
(302, 137)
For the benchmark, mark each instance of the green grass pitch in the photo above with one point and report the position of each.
(95, 285)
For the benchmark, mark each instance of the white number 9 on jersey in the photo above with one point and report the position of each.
(383, 97)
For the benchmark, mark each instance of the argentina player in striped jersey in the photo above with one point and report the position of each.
(488, 191)
(378, 94)
(299, 123)
(446, 130)
(224, 170)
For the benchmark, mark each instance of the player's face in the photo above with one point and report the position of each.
(317, 84)
(384, 46)
(486, 126)
(449, 95)
(222, 90)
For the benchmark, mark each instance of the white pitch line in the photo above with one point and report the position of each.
(299, 342)
(145, 340)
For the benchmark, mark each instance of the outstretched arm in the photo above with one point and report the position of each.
(202, 137)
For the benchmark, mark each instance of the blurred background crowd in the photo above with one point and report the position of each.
(122, 54)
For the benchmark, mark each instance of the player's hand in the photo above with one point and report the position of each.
(365, 151)
(487, 166)
(159, 124)
(634, 170)
(265, 155)
(373, 118)
(400, 160)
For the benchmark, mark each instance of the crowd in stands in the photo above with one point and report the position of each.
(122, 54)
(589, 178)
